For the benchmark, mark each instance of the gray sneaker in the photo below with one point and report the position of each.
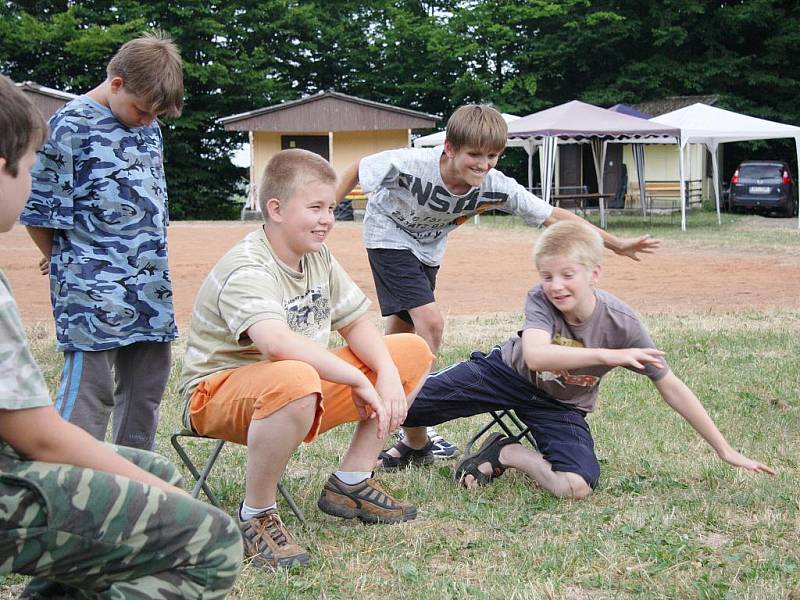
(268, 544)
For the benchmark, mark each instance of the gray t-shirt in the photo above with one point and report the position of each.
(410, 207)
(612, 325)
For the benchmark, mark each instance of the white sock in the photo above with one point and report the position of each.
(353, 477)
(248, 512)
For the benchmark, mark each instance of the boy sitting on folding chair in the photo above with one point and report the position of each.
(549, 375)
(257, 370)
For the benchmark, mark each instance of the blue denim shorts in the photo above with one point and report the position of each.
(485, 383)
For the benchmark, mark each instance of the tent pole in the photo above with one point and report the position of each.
(714, 165)
(797, 150)
(683, 186)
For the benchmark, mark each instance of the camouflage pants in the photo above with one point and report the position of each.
(88, 534)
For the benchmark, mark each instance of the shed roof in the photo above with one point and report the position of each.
(328, 111)
(656, 108)
(30, 86)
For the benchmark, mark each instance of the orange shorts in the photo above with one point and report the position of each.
(224, 403)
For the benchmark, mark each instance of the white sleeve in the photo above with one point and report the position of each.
(383, 169)
(518, 200)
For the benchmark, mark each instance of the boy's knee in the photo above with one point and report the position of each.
(573, 487)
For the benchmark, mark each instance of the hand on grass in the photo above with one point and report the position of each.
(364, 395)
(631, 247)
(44, 266)
(732, 457)
(636, 358)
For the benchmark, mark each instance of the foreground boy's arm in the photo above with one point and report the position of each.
(645, 244)
(41, 434)
(683, 401)
(276, 341)
(542, 355)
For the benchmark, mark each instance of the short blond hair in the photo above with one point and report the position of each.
(571, 239)
(477, 126)
(290, 170)
(22, 126)
(151, 68)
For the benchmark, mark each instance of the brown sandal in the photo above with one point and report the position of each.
(488, 452)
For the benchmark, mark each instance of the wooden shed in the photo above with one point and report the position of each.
(46, 99)
(339, 127)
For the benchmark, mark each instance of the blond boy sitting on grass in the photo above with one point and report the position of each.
(257, 370)
(549, 375)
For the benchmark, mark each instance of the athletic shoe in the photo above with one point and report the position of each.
(442, 448)
(366, 501)
(268, 544)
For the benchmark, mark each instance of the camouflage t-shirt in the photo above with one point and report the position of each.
(100, 187)
(251, 284)
(21, 381)
(613, 324)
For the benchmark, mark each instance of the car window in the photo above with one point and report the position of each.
(761, 171)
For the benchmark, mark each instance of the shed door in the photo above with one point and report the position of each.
(313, 143)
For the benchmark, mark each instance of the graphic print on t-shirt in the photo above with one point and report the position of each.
(562, 376)
(306, 313)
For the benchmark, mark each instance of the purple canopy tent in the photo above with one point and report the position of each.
(580, 121)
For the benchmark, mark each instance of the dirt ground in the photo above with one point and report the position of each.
(484, 271)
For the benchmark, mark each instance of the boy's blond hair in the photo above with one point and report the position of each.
(150, 67)
(477, 126)
(571, 239)
(290, 170)
(22, 126)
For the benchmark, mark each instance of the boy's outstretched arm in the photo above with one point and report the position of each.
(629, 247)
(678, 395)
(542, 355)
(41, 434)
(347, 181)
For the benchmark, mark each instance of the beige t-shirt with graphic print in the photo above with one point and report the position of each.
(250, 284)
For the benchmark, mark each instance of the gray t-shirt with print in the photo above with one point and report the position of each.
(613, 324)
(410, 207)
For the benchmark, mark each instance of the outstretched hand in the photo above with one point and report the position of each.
(645, 244)
(636, 358)
(732, 457)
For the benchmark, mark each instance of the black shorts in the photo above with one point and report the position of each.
(401, 280)
(485, 383)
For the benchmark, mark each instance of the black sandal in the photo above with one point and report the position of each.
(488, 452)
(409, 457)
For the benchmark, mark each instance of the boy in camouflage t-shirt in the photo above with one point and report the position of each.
(98, 212)
(76, 515)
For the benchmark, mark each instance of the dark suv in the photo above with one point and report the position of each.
(765, 185)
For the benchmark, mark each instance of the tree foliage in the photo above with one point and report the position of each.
(522, 55)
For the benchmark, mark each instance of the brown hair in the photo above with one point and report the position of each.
(150, 67)
(478, 126)
(22, 126)
(573, 239)
(289, 170)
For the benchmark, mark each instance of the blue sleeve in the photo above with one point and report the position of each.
(52, 191)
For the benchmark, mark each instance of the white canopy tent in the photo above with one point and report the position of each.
(711, 126)
(437, 139)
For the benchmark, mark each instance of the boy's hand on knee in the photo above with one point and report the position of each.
(390, 389)
(364, 395)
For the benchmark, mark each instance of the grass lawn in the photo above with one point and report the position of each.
(668, 518)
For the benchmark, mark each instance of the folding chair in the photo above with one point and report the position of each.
(505, 420)
(201, 478)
